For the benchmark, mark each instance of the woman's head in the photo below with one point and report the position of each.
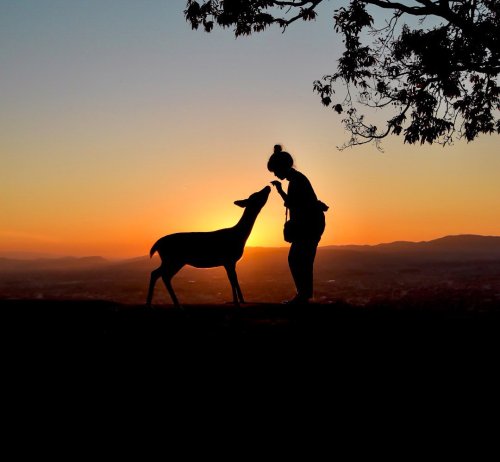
(280, 162)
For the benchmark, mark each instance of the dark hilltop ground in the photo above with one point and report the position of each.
(380, 354)
(384, 325)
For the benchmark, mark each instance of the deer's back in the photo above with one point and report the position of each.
(201, 249)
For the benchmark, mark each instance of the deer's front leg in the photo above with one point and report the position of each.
(235, 286)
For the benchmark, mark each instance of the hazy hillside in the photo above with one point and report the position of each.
(48, 264)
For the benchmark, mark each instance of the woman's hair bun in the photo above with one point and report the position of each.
(279, 159)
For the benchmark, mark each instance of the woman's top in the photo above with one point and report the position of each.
(306, 212)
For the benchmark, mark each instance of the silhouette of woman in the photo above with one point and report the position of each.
(307, 221)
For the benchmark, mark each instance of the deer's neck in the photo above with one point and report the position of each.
(245, 225)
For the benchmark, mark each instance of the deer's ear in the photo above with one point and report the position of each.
(242, 203)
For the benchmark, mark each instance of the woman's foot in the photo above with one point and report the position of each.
(297, 300)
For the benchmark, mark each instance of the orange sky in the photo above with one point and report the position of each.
(117, 129)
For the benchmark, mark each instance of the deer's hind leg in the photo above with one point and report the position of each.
(155, 274)
(169, 271)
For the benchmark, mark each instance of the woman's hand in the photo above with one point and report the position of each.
(279, 188)
(277, 185)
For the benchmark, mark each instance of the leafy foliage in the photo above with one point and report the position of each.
(438, 82)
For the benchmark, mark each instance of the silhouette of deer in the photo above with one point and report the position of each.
(223, 247)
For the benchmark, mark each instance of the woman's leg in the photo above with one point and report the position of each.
(294, 263)
(301, 262)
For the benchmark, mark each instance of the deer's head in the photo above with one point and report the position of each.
(256, 200)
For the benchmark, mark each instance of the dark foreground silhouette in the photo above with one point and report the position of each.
(34, 323)
(218, 353)
(108, 358)
(223, 247)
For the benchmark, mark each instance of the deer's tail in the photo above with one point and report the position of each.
(153, 249)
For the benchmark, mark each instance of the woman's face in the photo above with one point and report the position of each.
(281, 173)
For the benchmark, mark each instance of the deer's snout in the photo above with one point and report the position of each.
(264, 195)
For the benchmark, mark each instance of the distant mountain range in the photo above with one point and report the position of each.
(460, 244)
(448, 248)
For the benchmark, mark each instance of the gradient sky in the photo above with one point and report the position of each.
(119, 124)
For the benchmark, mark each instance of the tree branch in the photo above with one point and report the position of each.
(305, 2)
(416, 11)
(445, 73)
(286, 22)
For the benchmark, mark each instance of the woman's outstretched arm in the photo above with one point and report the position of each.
(279, 188)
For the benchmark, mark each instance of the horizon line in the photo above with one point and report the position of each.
(53, 255)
